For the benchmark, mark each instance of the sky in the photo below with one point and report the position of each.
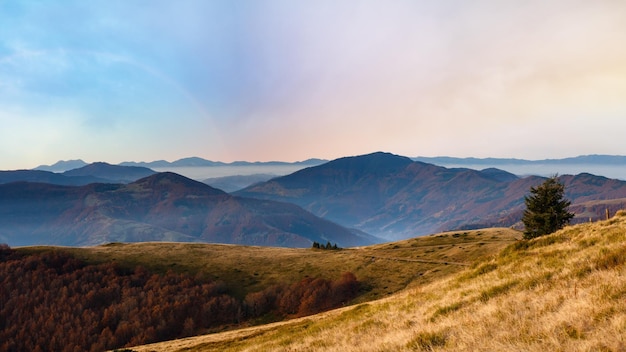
(261, 80)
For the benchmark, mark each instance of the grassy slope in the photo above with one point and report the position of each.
(563, 292)
(384, 269)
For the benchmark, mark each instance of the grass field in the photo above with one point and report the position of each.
(383, 269)
(562, 292)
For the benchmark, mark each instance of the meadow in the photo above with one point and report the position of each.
(383, 269)
(125, 294)
(562, 292)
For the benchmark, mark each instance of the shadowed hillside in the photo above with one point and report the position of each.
(162, 207)
(562, 292)
(393, 197)
(112, 173)
(83, 175)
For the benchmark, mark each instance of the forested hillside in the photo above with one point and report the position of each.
(51, 301)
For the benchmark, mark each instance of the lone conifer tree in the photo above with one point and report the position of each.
(546, 209)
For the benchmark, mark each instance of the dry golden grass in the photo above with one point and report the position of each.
(562, 292)
(384, 269)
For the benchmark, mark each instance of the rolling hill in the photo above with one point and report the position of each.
(561, 292)
(62, 165)
(46, 177)
(119, 293)
(111, 173)
(83, 175)
(394, 197)
(161, 207)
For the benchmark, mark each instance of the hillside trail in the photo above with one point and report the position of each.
(444, 262)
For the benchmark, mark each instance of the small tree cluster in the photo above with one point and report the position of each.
(317, 245)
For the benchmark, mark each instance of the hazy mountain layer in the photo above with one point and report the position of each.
(162, 207)
(90, 173)
(235, 183)
(395, 197)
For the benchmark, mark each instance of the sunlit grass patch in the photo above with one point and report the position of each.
(482, 269)
(611, 258)
(537, 280)
(564, 292)
(427, 341)
(498, 290)
(570, 330)
(445, 310)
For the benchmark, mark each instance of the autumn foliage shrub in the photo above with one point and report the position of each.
(309, 296)
(54, 302)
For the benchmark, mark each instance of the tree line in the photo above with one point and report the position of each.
(317, 245)
(52, 301)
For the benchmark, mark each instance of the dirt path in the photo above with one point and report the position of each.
(444, 262)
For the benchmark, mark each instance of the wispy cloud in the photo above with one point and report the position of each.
(278, 79)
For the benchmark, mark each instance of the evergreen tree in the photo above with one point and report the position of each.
(546, 209)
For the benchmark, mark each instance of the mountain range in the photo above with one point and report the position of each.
(89, 173)
(581, 159)
(160, 207)
(65, 165)
(349, 201)
(394, 197)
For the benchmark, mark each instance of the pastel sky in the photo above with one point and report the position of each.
(260, 80)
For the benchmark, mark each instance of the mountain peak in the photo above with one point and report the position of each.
(195, 161)
(174, 180)
(62, 165)
(499, 175)
(377, 163)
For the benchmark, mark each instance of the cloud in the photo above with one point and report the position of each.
(279, 79)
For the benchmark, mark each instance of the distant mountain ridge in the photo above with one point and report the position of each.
(66, 165)
(90, 173)
(593, 159)
(200, 162)
(113, 173)
(582, 159)
(62, 165)
(395, 197)
(41, 176)
(160, 207)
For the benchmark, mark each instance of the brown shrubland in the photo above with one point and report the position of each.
(54, 302)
